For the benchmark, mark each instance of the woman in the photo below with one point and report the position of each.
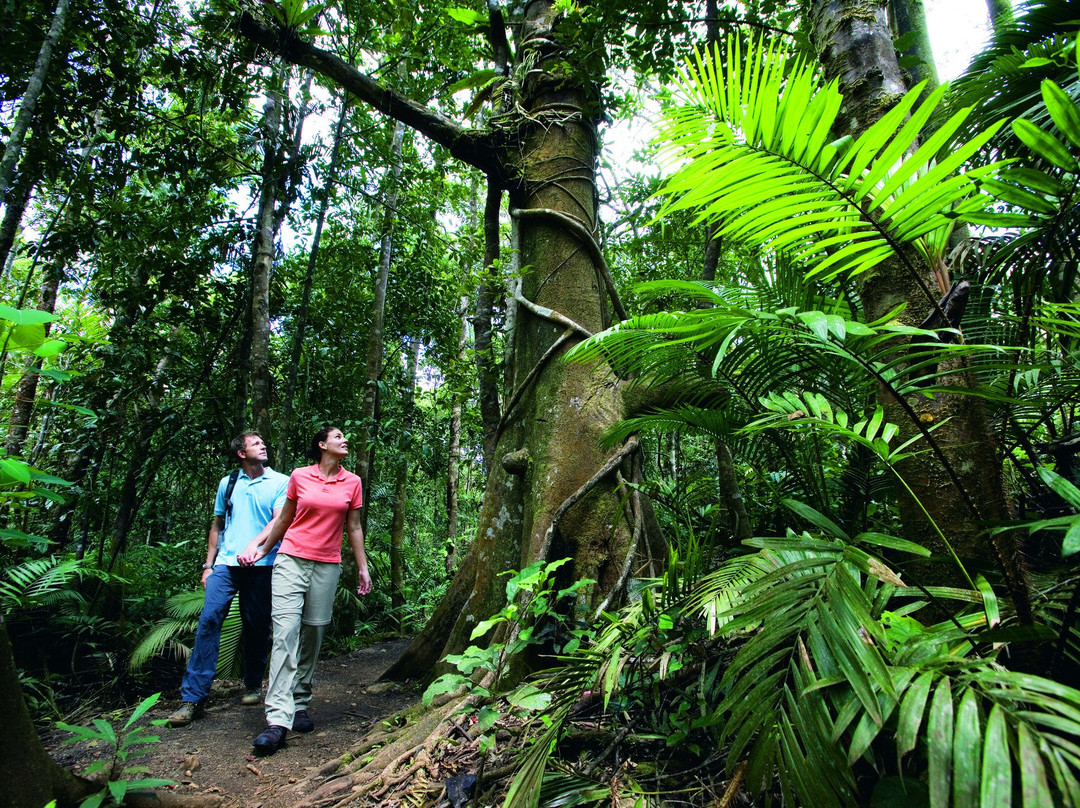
(320, 501)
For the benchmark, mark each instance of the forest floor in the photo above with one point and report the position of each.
(213, 755)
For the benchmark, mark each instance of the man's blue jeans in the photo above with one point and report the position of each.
(252, 585)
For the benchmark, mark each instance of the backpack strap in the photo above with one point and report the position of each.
(228, 494)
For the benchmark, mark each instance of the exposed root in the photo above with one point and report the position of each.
(384, 764)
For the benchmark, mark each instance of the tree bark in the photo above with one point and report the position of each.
(28, 775)
(284, 457)
(486, 367)
(401, 483)
(955, 474)
(548, 449)
(368, 425)
(453, 466)
(13, 147)
(909, 18)
(262, 259)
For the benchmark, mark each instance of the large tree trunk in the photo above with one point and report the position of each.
(368, 425)
(13, 147)
(28, 776)
(957, 474)
(487, 372)
(909, 20)
(548, 449)
(551, 492)
(284, 458)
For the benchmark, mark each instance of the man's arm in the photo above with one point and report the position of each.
(212, 538)
(355, 532)
(269, 536)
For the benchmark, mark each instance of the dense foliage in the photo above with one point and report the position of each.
(824, 632)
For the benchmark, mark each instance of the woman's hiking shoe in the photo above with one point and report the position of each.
(269, 740)
(302, 722)
(187, 713)
(252, 696)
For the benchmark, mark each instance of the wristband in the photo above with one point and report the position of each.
(207, 566)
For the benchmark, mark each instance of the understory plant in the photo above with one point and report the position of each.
(832, 665)
(534, 615)
(122, 745)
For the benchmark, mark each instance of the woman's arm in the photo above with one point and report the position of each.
(355, 532)
(269, 536)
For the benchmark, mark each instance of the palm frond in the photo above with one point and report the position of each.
(756, 158)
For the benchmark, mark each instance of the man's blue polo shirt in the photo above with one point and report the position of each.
(253, 505)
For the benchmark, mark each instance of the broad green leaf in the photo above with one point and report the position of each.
(891, 542)
(468, 16)
(59, 376)
(1044, 144)
(25, 316)
(1071, 543)
(997, 762)
(967, 749)
(1033, 785)
(15, 470)
(28, 337)
(990, 602)
(939, 741)
(815, 518)
(139, 711)
(529, 697)
(118, 788)
(477, 79)
(911, 714)
(1060, 486)
(1062, 110)
(51, 347)
(486, 718)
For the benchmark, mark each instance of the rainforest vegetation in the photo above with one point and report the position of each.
(713, 371)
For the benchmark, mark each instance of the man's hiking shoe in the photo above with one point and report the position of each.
(187, 713)
(302, 722)
(269, 740)
(252, 696)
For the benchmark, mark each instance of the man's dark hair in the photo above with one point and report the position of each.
(314, 451)
(239, 443)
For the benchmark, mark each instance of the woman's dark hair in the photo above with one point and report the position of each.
(314, 453)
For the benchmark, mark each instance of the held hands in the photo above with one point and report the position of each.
(250, 554)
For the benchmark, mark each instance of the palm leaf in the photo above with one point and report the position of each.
(755, 159)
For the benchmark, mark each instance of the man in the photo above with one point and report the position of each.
(241, 514)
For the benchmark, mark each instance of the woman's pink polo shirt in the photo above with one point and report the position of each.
(321, 507)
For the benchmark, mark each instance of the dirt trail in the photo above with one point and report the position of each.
(214, 754)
